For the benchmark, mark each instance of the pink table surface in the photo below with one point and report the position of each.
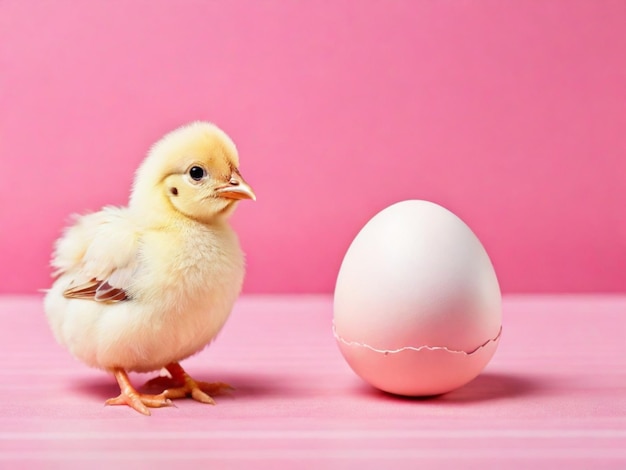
(554, 394)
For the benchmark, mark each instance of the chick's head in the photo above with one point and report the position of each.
(191, 172)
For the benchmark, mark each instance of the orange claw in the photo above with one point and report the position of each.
(181, 385)
(131, 397)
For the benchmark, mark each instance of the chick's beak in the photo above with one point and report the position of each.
(236, 188)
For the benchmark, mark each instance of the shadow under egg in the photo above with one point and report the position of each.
(486, 387)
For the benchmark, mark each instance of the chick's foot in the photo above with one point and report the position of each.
(138, 401)
(181, 385)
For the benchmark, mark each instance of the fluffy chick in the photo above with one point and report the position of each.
(142, 287)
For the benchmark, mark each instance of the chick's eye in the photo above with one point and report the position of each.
(197, 173)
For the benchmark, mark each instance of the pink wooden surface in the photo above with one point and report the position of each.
(555, 394)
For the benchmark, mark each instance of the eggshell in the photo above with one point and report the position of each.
(417, 306)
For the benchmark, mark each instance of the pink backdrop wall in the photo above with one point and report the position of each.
(510, 113)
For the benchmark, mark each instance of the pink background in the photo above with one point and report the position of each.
(510, 113)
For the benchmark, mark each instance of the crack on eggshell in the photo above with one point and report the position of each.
(413, 348)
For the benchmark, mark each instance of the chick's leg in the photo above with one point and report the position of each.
(180, 385)
(131, 397)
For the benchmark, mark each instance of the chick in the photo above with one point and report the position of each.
(142, 287)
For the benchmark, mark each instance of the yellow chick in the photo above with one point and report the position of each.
(142, 287)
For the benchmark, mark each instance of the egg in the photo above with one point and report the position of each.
(417, 304)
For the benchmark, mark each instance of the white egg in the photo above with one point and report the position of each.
(417, 306)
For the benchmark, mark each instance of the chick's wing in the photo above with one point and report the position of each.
(99, 253)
